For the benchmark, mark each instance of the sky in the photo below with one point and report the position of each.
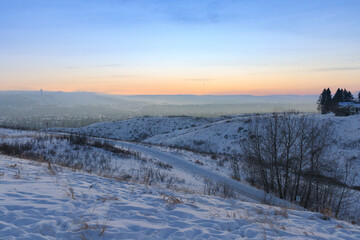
(180, 47)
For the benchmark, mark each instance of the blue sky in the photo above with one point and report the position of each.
(168, 47)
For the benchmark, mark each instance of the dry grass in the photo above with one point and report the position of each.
(51, 169)
(281, 212)
(103, 227)
(199, 162)
(17, 174)
(107, 198)
(69, 192)
(339, 226)
(84, 227)
(13, 166)
(171, 200)
(327, 214)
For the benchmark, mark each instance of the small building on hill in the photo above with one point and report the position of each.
(348, 108)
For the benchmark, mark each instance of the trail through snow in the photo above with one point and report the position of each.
(180, 163)
(177, 162)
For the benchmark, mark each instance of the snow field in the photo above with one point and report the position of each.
(37, 203)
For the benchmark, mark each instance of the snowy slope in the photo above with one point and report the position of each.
(225, 136)
(196, 170)
(137, 129)
(131, 166)
(222, 136)
(39, 203)
(211, 135)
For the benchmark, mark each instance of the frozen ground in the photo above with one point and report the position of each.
(42, 202)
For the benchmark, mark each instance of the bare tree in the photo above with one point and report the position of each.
(287, 155)
(253, 154)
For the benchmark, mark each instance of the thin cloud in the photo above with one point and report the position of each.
(119, 76)
(95, 66)
(337, 69)
(200, 79)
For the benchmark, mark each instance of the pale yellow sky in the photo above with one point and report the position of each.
(255, 84)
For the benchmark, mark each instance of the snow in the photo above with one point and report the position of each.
(224, 135)
(221, 135)
(218, 135)
(136, 129)
(35, 203)
(97, 160)
(357, 105)
(195, 169)
(38, 204)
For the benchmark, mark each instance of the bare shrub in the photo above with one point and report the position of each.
(163, 165)
(199, 162)
(78, 139)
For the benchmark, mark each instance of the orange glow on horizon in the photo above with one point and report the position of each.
(170, 82)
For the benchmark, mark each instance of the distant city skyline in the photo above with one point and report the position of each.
(180, 47)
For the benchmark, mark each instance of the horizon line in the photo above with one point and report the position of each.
(199, 95)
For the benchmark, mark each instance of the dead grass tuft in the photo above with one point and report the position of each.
(339, 226)
(70, 192)
(281, 212)
(84, 227)
(51, 169)
(107, 198)
(171, 199)
(13, 166)
(326, 214)
(17, 174)
(199, 162)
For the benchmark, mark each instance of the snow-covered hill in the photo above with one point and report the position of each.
(182, 154)
(221, 135)
(224, 136)
(137, 129)
(38, 201)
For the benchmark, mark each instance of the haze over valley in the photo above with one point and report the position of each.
(158, 119)
(40, 109)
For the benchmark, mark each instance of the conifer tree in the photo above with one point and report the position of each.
(348, 97)
(325, 101)
(338, 97)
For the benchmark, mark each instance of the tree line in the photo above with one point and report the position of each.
(328, 103)
(287, 154)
